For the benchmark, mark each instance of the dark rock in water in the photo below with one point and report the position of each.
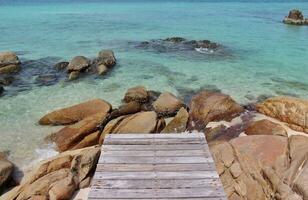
(175, 44)
(7, 80)
(187, 93)
(295, 17)
(46, 80)
(1, 90)
(61, 65)
(73, 75)
(175, 39)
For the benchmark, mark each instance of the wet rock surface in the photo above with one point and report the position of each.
(295, 17)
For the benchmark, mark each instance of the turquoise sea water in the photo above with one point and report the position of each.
(262, 56)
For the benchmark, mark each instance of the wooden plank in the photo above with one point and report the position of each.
(157, 136)
(160, 141)
(198, 152)
(156, 175)
(157, 193)
(151, 183)
(189, 198)
(153, 147)
(155, 167)
(154, 160)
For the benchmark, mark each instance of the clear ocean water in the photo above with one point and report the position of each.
(263, 57)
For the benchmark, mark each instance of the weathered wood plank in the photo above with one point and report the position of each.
(158, 193)
(157, 136)
(151, 183)
(156, 175)
(154, 160)
(121, 141)
(153, 147)
(198, 152)
(155, 167)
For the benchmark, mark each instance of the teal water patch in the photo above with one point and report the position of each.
(264, 57)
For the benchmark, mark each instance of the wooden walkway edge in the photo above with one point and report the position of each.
(156, 166)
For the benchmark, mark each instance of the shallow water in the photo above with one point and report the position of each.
(263, 57)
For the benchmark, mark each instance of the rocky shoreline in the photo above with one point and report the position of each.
(256, 157)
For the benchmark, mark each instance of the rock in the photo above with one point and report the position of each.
(291, 110)
(9, 63)
(206, 44)
(265, 127)
(46, 79)
(76, 113)
(178, 124)
(90, 140)
(208, 106)
(6, 81)
(107, 58)
(242, 161)
(167, 104)
(79, 134)
(78, 63)
(62, 189)
(295, 17)
(138, 94)
(66, 171)
(175, 39)
(142, 122)
(1, 89)
(101, 69)
(73, 75)
(61, 66)
(6, 170)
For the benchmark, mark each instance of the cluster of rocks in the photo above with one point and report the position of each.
(58, 177)
(24, 75)
(179, 44)
(80, 64)
(256, 158)
(295, 17)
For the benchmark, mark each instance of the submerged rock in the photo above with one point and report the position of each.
(1, 89)
(291, 110)
(208, 106)
(75, 113)
(295, 17)
(61, 65)
(9, 63)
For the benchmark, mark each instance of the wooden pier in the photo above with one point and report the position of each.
(156, 166)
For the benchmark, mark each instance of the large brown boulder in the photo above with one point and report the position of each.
(167, 104)
(211, 106)
(291, 110)
(80, 134)
(138, 94)
(58, 177)
(78, 63)
(6, 170)
(263, 167)
(9, 63)
(265, 127)
(75, 113)
(178, 124)
(142, 122)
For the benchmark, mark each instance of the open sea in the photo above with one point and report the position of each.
(261, 56)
